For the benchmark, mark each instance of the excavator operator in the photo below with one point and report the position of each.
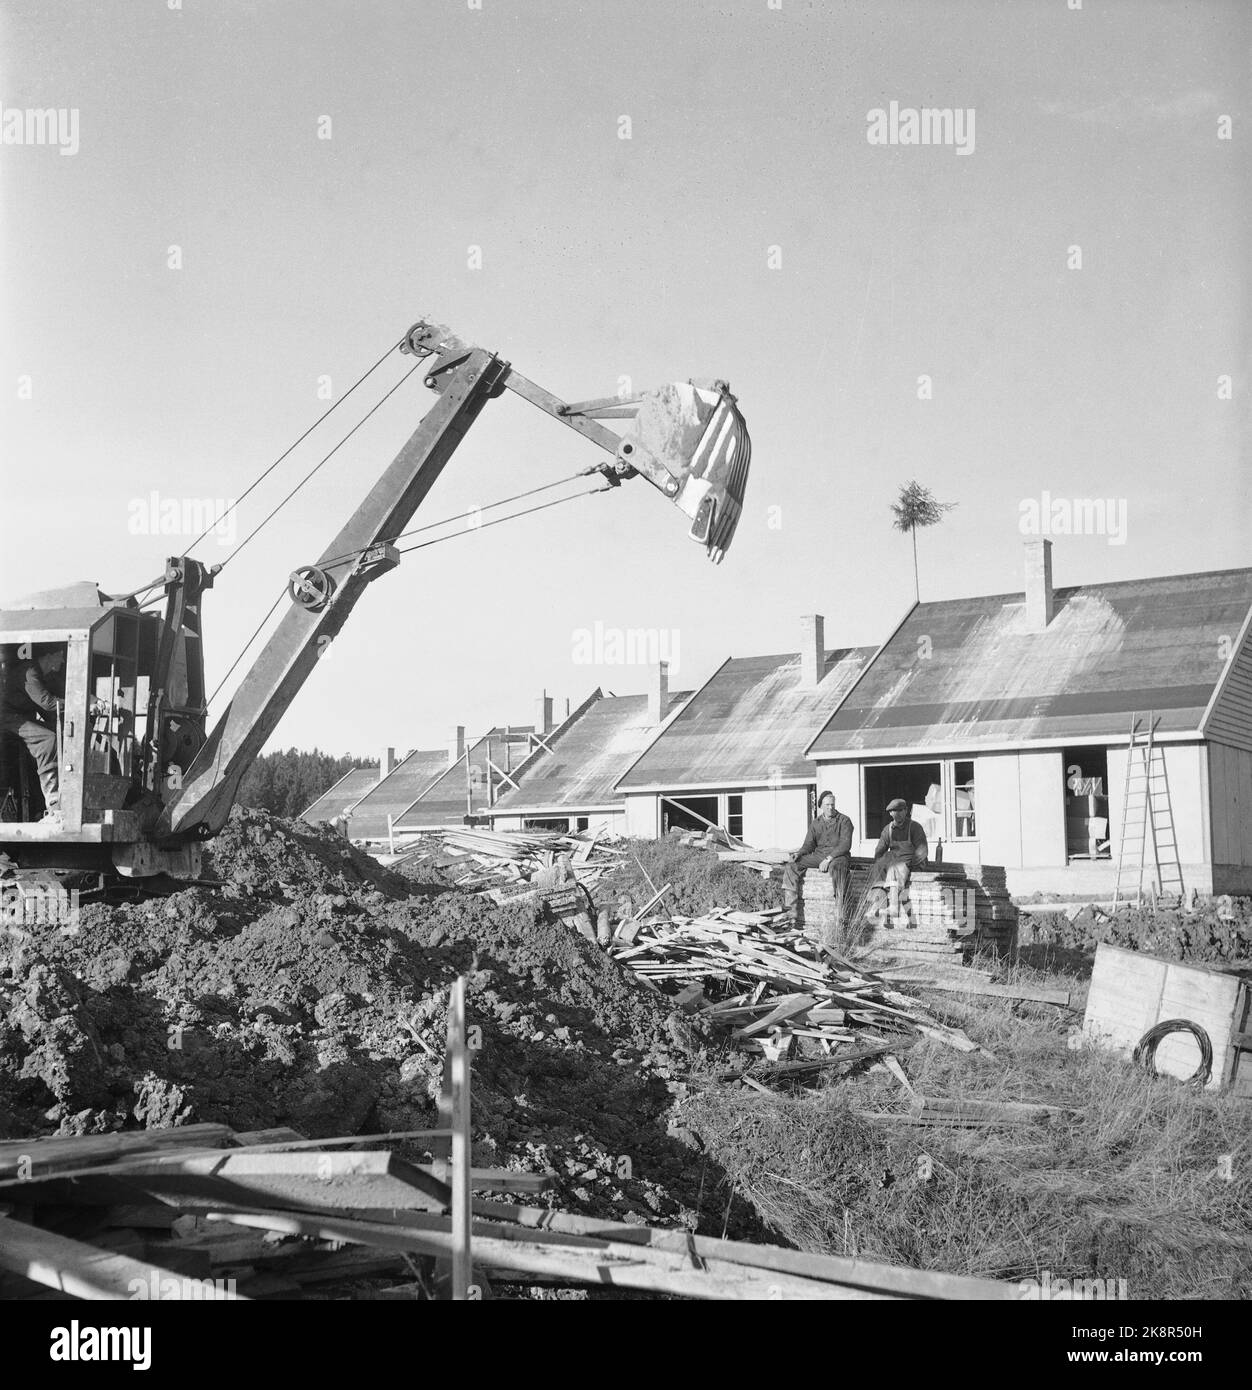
(32, 691)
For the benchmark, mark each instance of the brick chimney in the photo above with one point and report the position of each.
(456, 745)
(386, 762)
(544, 723)
(1039, 600)
(658, 692)
(812, 650)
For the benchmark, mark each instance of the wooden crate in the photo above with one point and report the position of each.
(1132, 992)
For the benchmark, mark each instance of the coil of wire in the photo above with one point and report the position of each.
(1145, 1052)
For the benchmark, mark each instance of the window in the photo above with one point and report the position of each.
(688, 812)
(940, 795)
(912, 781)
(545, 823)
(1086, 803)
(964, 824)
(724, 809)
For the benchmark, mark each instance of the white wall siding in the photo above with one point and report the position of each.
(775, 818)
(1042, 807)
(643, 817)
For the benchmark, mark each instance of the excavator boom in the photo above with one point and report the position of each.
(688, 441)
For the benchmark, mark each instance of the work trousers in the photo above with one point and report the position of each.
(793, 876)
(42, 742)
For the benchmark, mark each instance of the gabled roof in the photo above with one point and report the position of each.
(465, 787)
(395, 793)
(588, 753)
(346, 792)
(969, 673)
(749, 723)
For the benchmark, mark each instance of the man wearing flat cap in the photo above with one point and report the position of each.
(901, 847)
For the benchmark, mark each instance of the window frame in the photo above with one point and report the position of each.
(947, 785)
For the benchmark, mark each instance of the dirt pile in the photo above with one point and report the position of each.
(307, 987)
(1216, 932)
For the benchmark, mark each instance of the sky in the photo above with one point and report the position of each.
(245, 203)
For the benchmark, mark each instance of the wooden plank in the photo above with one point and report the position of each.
(311, 1180)
(505, 1180)
(664, 1259)
(788, 1007)
(25, 1158)
(280, 1134)
(959, 985)
(651, 903)
(86, 1271)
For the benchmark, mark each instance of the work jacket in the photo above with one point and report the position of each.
(23, 694)
(829, 838)
(909, 842)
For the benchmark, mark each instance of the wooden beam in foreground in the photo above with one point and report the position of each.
(638, 1257)
(85, 1271)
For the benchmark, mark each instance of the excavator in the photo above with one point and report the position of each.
(144, 780)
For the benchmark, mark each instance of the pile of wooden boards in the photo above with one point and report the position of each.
(945, 914)
(777, 992)
(502, 864)
(200, 1212)
(769, 863)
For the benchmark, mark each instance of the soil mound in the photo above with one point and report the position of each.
(1217, 933)
(307, 986)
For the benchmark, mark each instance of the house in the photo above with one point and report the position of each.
(473, 777)
(1006, 721)
(337, 801)
(734, 755)
(398, 786)
(569, 781)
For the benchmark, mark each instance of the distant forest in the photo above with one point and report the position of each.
(289, 782)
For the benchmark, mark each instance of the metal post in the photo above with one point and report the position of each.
(462, 1262)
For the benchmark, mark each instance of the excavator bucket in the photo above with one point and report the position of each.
(692, 442)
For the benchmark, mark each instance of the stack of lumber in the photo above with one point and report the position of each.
(201, 1212)
(774, 991)
(501, 864)
(947, 910)
(766, 862)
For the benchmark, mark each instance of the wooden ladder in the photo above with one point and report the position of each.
(1147, 827)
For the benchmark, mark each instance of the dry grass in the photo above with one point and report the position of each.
(1130, 1187)
(698, 879)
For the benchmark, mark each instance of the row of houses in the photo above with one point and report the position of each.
(1003, 719)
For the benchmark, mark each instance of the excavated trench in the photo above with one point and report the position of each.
(307, 986)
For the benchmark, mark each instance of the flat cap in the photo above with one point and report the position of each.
(899, 804)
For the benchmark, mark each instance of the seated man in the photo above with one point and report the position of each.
(901, 848)
(828, 848)
(29, 706)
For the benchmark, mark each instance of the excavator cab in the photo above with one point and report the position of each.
(130, 694)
